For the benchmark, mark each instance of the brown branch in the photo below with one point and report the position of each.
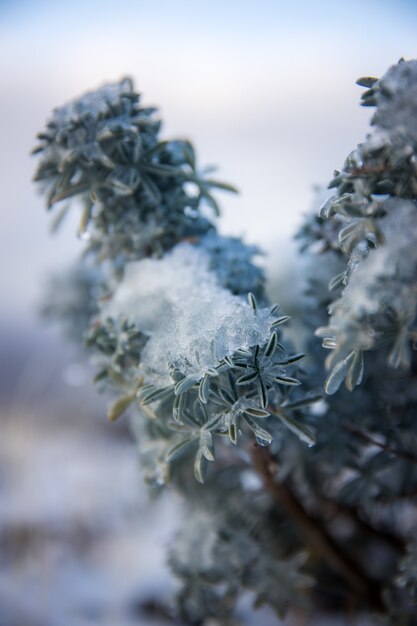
(316, 535)
(380, 534)
(367, 438)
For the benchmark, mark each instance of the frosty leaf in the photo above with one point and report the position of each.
(200, 466)
(287, 380)
(303, 432)
(204, 388)
(280, 321)
(400, 355)
(232, 427)
(207, 445)
(263, 437)
(184, 385)
(263, 393)
(295, 358)
(338, 374)
(366, 81)
(247, 379)
(176, 450)
(252, 301)
(307, 400)
(271, 346)
(336, 281)
(255, 412)
(150, 394)
(120, 405)
(355, 371)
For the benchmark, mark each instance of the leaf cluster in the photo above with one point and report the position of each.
(368, 221)
(104, 149)
(232, 399)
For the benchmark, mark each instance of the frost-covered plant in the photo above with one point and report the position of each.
(298, 500)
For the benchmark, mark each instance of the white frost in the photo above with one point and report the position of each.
(385, 278)
(93, 102)
(191, 320)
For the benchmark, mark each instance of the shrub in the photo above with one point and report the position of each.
(305, 498)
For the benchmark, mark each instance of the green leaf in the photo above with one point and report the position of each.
(204, 388)
(355, 372)
(184, 385)
(161, 145)
(400, 355)
(337, 281)
(252, 301)
(177, 449)
(366, 81)
(304, 401)
(213, 422)
(263, 437)
(233, 428)
(271, 345)
(101, 375)
(263, 393)
(280, 320)
(72, 190)
(189, 154)
(178, 407)
(59, 218)
(223, 186)
(200, 467)
(350, 233)
(123, 180)
(163, 170)
(338, 374)
(207, 445)
(286, 380)
(200, 412)
(151, 189)
(294, 358)
(255, 412)
(212, 203)
(120, 405)
(303, 432)
(227, 396)
(247, 379)
(150, 394)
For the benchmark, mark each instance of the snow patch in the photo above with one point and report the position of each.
(191, 320)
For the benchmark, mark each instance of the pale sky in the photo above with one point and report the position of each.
(265, 90)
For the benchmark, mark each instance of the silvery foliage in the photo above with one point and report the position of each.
(198, 411)
(370, 217)
(361, 299)
(180, 328)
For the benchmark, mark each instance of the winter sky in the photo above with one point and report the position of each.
(265, 90)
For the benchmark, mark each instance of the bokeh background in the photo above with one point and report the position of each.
(265, 90)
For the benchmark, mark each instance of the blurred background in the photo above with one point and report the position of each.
(264, 89)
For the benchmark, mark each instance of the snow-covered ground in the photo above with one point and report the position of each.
(80, 542)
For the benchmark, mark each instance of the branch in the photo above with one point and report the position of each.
(380, 534)
(367, 438)
(316, 535)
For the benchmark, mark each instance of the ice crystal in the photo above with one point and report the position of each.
(191, 320)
